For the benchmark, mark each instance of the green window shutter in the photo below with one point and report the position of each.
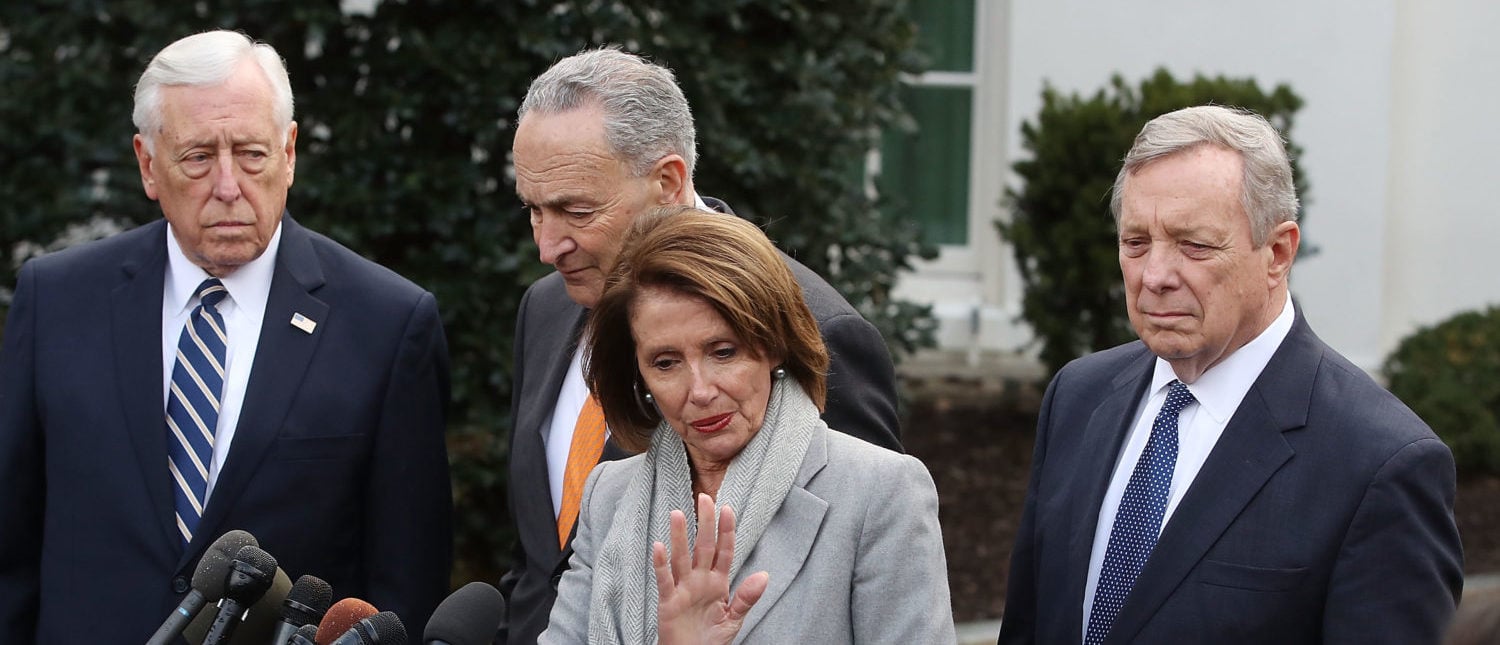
(925, 173)
(945, 32)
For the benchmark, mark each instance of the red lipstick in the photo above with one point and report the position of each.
(712, 424)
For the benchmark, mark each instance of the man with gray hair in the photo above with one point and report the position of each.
(602, 137)
(1229, 478)
(221, 368)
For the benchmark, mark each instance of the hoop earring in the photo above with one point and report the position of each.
(778, 373)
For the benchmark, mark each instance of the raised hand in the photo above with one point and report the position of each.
(693, 589)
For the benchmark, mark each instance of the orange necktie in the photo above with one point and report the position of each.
(583, 455)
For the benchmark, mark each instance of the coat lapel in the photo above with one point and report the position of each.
(552, 347)
(1107, 426)
(1247, 455)
(787, 540)
(135, 325)
(281, 361)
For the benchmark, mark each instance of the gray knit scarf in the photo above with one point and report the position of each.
(622, 608)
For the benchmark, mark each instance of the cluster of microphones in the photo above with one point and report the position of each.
(258, 604)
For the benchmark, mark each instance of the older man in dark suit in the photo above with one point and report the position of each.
(604, 136)
(1230, 478)
(223, 368)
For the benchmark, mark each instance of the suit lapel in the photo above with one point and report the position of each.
(1107, 426)
(1247, 455)
(281, 360)
(552, 348)
(788, 539)
(135, 325)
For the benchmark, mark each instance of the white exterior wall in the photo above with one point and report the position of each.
(1399, 146)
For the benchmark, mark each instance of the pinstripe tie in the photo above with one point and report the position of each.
(193, 405)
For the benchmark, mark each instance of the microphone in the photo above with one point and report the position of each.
(208, 585)
(383, 628)
(250, 577)
(469, 616)
(258, 626)
(306, 635)
(305, 605)
(341, 617)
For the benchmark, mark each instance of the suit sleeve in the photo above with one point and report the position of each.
(518, 559)
(1400, 569)
(1018, 623)
(409, 528)
(900, 574)
(861, 382)
(569, 622)
(21, 476)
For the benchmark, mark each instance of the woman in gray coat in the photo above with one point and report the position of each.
(703, 355)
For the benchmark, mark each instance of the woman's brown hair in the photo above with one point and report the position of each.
(729, 264)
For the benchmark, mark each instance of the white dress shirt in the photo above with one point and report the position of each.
(243, 309)
(1217, 395)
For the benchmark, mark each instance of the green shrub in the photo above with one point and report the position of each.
(1450, 375)
(406, 119)
(1060, 225)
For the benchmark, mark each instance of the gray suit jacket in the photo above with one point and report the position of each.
(855, 552)
(1324, 514)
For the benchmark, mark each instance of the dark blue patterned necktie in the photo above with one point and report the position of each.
(193, 406)
(1138, 520)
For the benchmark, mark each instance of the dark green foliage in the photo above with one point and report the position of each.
(406, 119)
(1060, 224)
(1450, 375)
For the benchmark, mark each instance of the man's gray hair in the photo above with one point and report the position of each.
(203, 60)
(646, 117)
(1267, 192)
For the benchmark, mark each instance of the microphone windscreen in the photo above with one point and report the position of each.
(385, 627)
(470, 615)
(341, 617)
(259, 625)
(308, 601)
(213, 567)
(308, 635)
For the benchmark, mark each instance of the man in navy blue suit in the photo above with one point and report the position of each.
(1229, 478)
(222, 368)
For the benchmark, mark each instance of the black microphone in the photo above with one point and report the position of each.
(469, 616)
(383, 628)
(305, 605)
(250, 576)
(306, 635)
(208, 585)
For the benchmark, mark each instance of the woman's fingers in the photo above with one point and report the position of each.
(725, 555)
(703, 547)
(665, 582)
(748, 594)
(681, 558)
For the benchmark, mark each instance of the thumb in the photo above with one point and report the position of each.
(748, 594)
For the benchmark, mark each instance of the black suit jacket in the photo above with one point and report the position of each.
(1323, 515)
(338, 464)
(861, 402)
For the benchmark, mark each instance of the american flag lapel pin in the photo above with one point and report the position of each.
(304, 323)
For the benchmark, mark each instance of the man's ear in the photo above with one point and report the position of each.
(1285, 239)
(670, 177)
(143, 160)
(291, 153)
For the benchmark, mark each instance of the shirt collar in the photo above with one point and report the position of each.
(249, 286)
(1220, 389)
(699, 204)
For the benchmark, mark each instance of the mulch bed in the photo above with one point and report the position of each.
(979, 453)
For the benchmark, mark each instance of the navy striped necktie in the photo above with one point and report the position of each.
(1138, 520)
(193, 406)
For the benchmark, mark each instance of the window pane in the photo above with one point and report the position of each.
(945, 32)
(925, 174)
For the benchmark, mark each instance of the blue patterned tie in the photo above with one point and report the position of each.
(1138, 521)
(193, 405)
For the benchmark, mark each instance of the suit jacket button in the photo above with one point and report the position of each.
(556, 579)
(180, 584)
